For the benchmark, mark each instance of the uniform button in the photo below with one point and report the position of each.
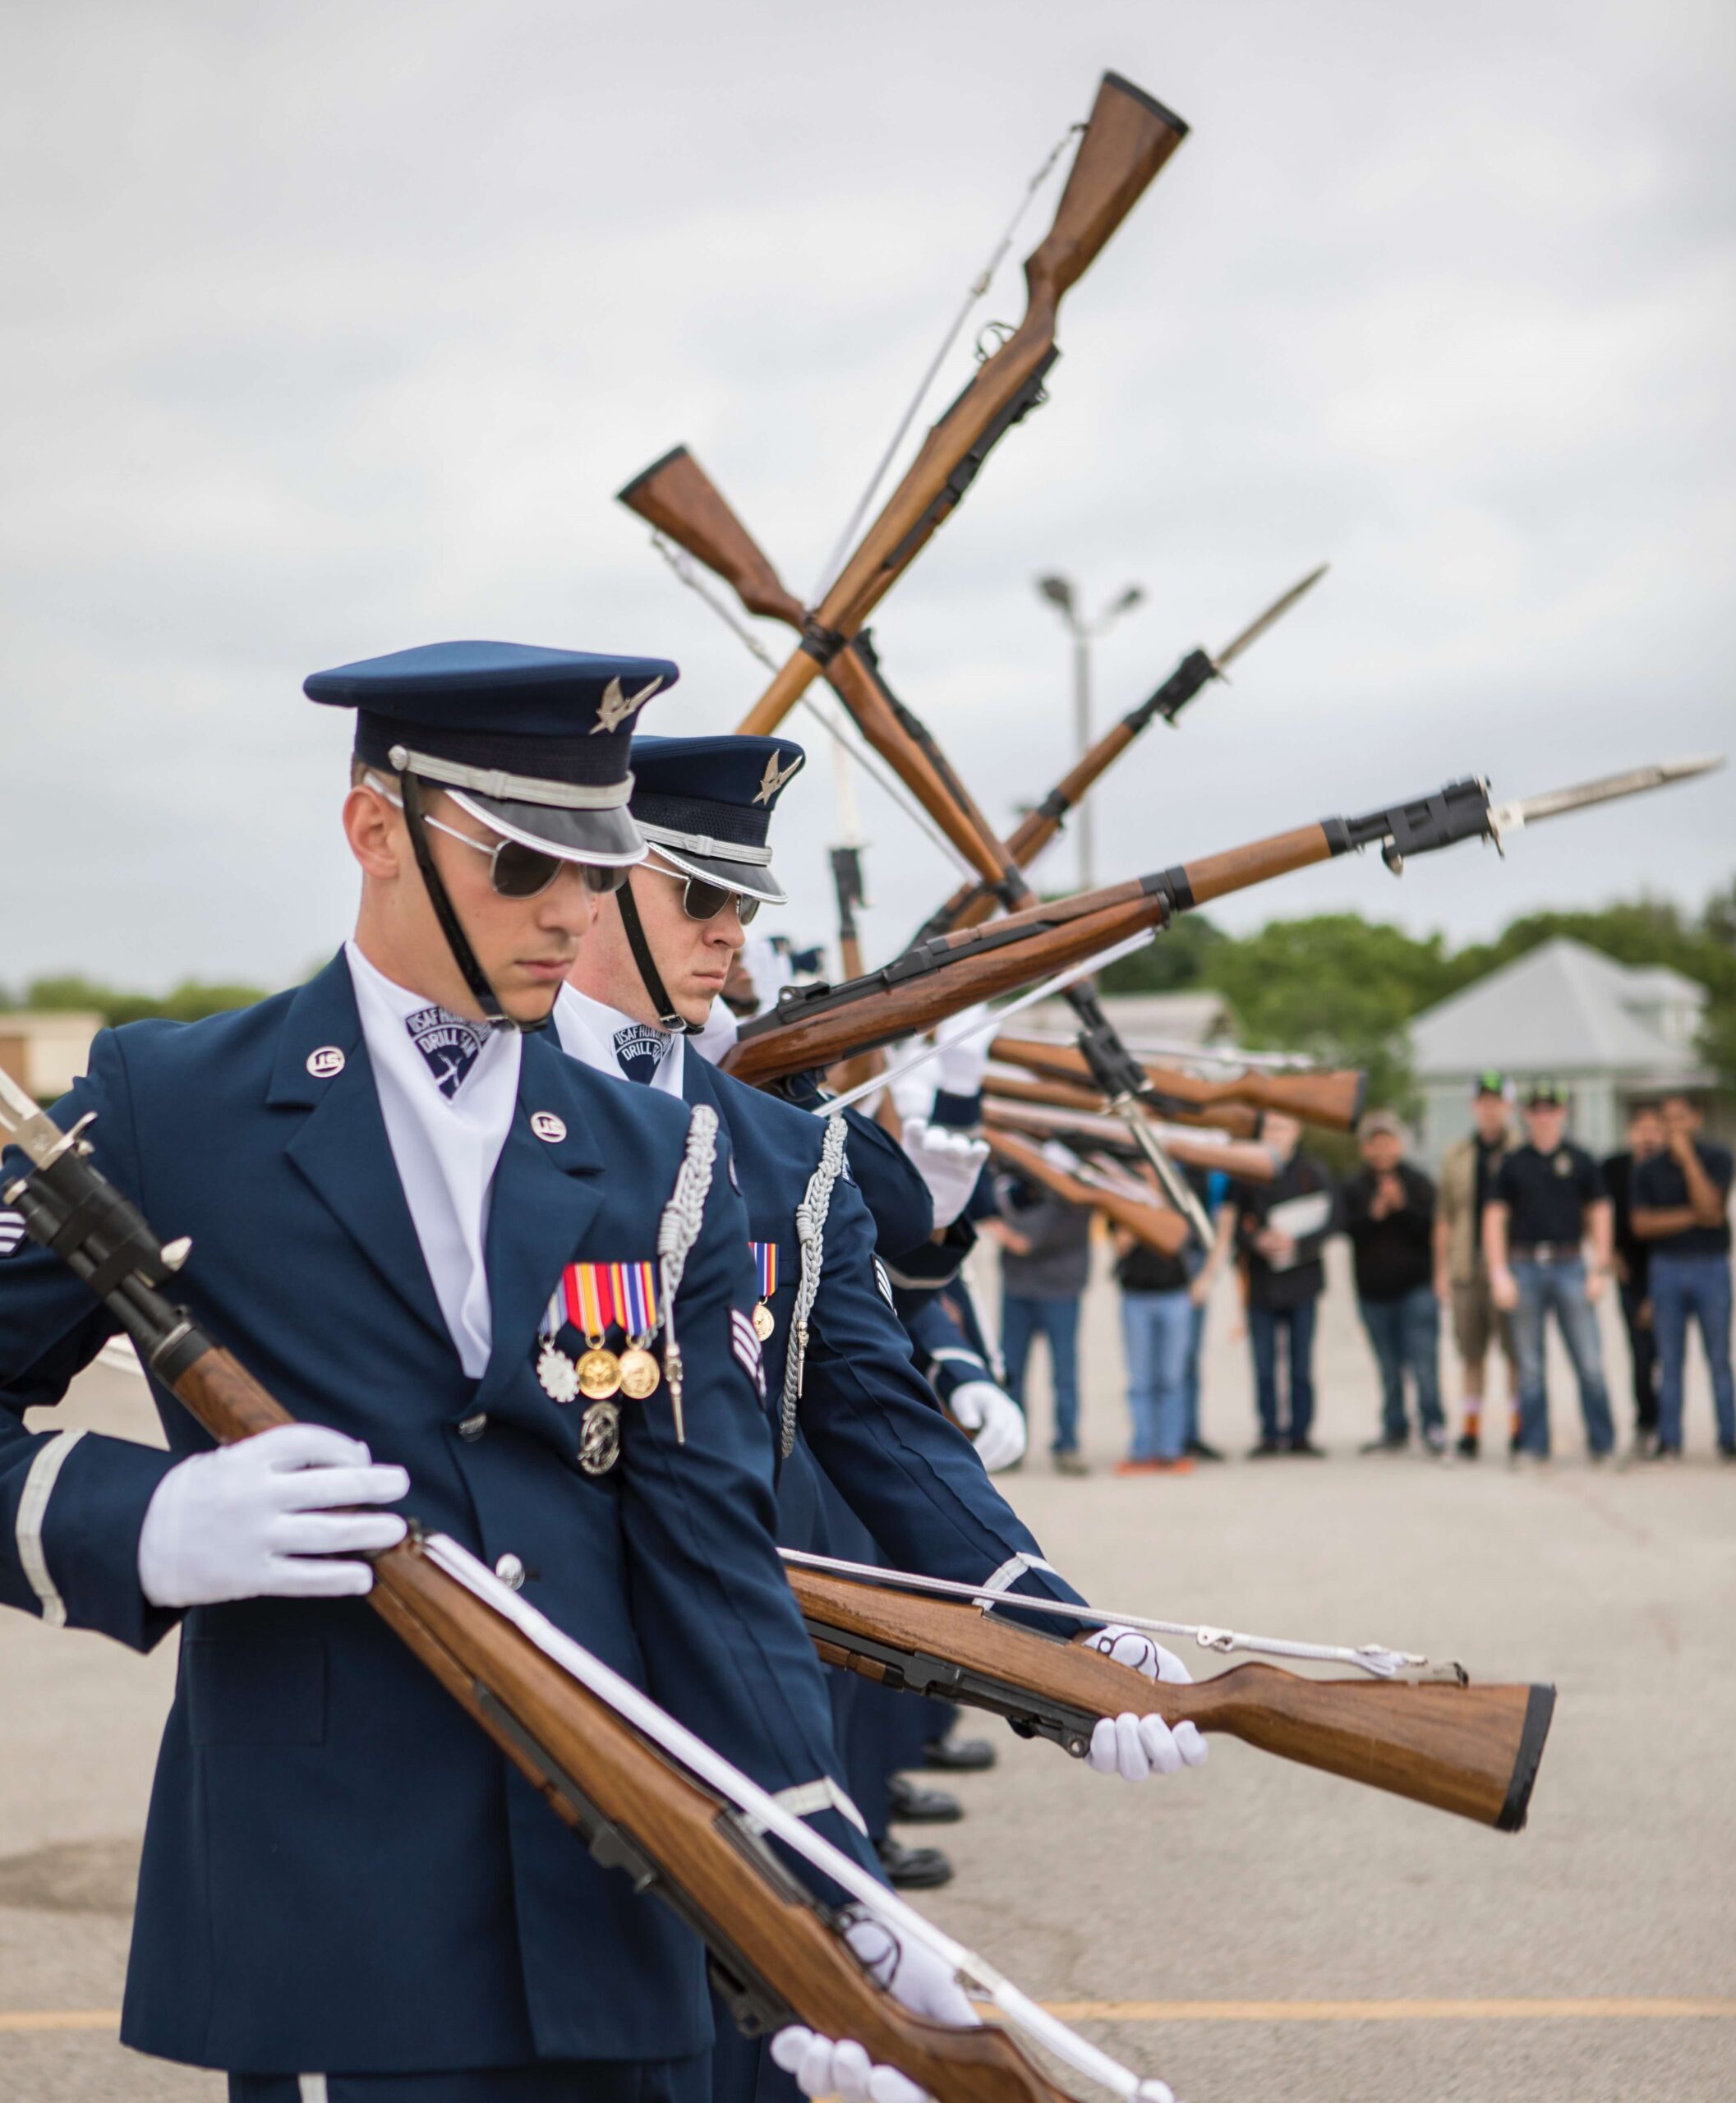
(510, 1571)
(473, 1427)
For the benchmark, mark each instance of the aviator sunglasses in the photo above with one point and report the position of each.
(515, 870)
(701, 900)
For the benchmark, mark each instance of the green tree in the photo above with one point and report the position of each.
(190, 1001)
(1179, 958)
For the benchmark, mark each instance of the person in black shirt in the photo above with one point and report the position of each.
(1633, 1265)
(1549, 1200)
(1279, 1235)
(1681, 1206)
(1388, 1210)
(1157, 1330)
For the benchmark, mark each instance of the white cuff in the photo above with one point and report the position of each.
(32, 1508)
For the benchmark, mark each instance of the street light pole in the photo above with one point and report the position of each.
(1061, 594)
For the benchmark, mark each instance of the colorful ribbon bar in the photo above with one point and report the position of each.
(765, 1255)
(597, 1297)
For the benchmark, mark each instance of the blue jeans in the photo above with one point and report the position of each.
(1700, 1286)
(1156, 1330)
(1562, 1287)
(1297, 1324)
(1022, 1321)
(1405, 1332)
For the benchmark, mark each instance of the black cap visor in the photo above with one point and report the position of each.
(751, 879)
(607, 836)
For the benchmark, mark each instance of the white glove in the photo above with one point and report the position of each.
(913, 1976)
(1136, 1747)
(963, 1058)
(992, 1419)
(949, 1162)
(260, 1520)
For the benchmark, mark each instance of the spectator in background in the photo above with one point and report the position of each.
(1045, 1264)
(1388, 1210)
(1681, 1206)
(1632, 1262)
(1549, 1200)
(1157, 1327)
(1211, 1186)
(1468, 1175)
(1279, 1230)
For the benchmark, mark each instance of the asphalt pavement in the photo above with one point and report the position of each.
(1256, 1932)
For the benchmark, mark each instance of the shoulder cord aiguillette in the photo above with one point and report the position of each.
(810, 1234)
(677, 1231)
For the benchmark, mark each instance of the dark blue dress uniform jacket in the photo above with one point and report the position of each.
(340, 1872)
(866, 1418)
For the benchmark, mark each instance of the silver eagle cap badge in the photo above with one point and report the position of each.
(771, 781)
(616, 707)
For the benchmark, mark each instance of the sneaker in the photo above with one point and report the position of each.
(1435, 1439)
(1521, 1460)
(1306, 1450)
(1198, 1450)
(1468, 1446)
(1069, 1462)
(1136, 1467)
(1597, 1455)
(1384, 1445)
(1264, 1450)
(1660, 1451)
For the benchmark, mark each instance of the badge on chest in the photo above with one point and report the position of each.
(615, 1308)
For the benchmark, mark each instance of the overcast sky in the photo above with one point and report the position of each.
(330, 329)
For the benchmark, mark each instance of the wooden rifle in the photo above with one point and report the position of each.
(1333, 1099)
(1145, 1219)
(645, 1795)
(1247, 1162)
(1127, 140)
(1442, 1740)
(1229, 1118)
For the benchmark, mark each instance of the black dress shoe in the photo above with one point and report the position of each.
(1198, 1450)
(909, 1803)
(1306, 1449)
(1467, 1447)
(913, 1869)
(959, 1756)
(1265, 1449)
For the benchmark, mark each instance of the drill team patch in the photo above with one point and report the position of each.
(449, 1043)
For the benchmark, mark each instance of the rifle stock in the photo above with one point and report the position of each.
(1246, 1163)
(1127, 140)
(1146, 1221)
(1228, 1117)
(1470, 1750)
(1333, 1099)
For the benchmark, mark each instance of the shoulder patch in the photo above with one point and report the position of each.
(12, 1231)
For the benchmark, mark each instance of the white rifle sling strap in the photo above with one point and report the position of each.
(33, 1509)
(677, 1231)
(803, 1799)
(810, 1234)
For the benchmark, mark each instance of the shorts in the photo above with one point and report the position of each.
(1477, 1321)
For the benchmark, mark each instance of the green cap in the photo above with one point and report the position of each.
(1546, 1094)
(1490, 1082)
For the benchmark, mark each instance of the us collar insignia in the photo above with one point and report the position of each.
(449, 1043)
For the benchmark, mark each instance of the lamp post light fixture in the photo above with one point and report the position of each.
(1061, 594)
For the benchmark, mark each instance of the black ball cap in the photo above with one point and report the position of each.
(535, 742)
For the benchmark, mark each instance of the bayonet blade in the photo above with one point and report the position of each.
(1527, 810)
(1275, 612)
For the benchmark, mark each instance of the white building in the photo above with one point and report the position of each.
(1608, 1032)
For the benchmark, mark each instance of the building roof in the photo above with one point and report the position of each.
(1561, 1008)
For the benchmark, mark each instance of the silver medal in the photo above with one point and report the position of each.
(558, 1373)
(600, 1438)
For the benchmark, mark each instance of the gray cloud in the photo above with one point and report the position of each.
(333, 328)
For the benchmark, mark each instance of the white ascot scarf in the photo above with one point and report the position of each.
(448, 1109)
(589, 1031)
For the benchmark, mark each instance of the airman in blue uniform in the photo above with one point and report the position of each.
(857, 1433)
(397, 1189)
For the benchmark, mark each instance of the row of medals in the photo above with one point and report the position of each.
(599, 1373)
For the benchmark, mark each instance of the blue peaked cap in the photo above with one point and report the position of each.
(535, 741)
(706, 805)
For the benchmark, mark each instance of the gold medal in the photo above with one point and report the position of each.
(558, 1373)
(764, 1321)
(599, 1375)
(600, 1435)
(641, 1374)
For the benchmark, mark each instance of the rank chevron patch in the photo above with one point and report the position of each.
(746, 1347)
(12, 1231)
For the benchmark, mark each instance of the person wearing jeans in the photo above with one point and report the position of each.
(1549, 1200)
(1279, 1229)
(1681, 1209)
(1634, 1270)
(1045, 1264)
(1157, 1333)
(1388, 1210)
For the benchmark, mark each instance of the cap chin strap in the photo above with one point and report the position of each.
(463, 954)
(669, 1016)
